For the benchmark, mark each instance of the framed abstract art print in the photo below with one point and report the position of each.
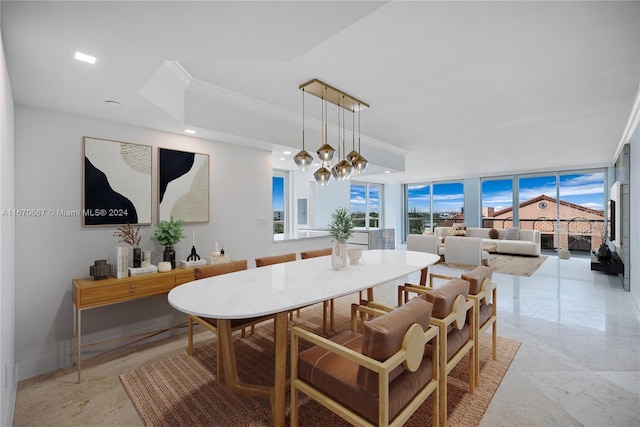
(183, 186)
(116, 183)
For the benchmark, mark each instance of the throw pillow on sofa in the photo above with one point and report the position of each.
(458, 230)
(494, 234)
(512, 233)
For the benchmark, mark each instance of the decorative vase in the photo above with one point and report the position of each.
(169, 254)
(137, 257)
(339, 255)
(604, 253)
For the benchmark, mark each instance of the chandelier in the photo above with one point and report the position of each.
(346, 165)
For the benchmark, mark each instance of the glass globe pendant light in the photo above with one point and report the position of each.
(303, 159)
(360, 164)
(344, 168)
(325, 153)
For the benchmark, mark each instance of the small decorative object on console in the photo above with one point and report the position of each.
(167, 234)
(100, 269)
(164, 266)
(126, 234)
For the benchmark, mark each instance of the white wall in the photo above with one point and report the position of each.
(51, 251)
(634, 232)
(7, 249)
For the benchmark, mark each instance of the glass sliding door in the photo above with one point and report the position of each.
(538, 209)
(366, 204)
(567, 208)
(581, 211)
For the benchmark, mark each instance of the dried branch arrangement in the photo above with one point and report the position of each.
(126, 234)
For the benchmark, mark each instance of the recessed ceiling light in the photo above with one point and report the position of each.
(112, 103)
(387, 171)
(190, 131)
(84, 57)
(282, 158)
(286, 152)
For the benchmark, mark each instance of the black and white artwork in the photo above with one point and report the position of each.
(183, 186)
(117, 183)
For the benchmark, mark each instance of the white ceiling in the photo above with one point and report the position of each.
(458, 88)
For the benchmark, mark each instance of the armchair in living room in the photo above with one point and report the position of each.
(465, 250)
(378, 377)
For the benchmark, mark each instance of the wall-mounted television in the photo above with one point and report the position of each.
(611, 220)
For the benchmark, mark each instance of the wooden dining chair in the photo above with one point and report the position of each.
(378, 377)
(483, 293)
(451, 311)
(325, 304)
(212, 324)
(277, 259)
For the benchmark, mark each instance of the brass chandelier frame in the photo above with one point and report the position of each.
(348, 164)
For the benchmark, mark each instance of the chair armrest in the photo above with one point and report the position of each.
(457, 316)
(391, 363)
(366, 308)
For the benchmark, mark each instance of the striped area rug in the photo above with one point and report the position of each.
(182, 391)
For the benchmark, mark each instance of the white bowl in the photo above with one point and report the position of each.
(354, 255)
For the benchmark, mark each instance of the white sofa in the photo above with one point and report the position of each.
(527, 242)
(458, 250)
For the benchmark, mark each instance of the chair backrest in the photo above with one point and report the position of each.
(383, 337)
(463, 250)
(315, 253)
(423, 243)
(444, 297)
(217, 269)
(476, 278)
(276, 259)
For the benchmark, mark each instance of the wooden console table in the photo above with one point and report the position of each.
(89, 293)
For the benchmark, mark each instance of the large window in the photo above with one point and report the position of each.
(418, 208)
(435, 205)
(448, 203)
(366, 205)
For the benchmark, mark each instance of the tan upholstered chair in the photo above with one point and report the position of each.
(379, 377)
(451, 308)
(212, 324)
(483, 293)
(277, 259)
(315, 253)
(326, 304)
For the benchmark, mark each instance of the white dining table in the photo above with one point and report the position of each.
(279, 288)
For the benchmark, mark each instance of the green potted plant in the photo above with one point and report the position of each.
(341, 228)
(167, 234)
